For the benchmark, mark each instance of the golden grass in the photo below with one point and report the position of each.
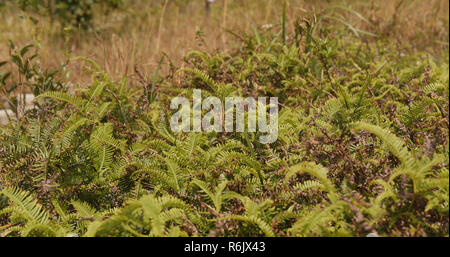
(145, 30)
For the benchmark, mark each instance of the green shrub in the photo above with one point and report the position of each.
(71, 13)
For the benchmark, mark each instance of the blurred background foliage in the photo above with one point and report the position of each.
(118, 34)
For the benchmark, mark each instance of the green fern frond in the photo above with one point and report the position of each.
(76, 101)
(24, 205)
(265, 228)
(395, 144)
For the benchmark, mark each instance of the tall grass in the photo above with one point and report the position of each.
(141, 31)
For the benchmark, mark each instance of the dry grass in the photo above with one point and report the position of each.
(145, 30)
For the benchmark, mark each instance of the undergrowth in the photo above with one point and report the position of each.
(362, 145)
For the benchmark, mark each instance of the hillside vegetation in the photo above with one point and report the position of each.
(363, 143)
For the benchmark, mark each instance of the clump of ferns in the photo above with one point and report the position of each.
(101, 148)
(424, 180)
(212, 64)
(27, 217)
(81, 134)
(147, 216)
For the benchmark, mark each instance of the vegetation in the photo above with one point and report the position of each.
(362, 147)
